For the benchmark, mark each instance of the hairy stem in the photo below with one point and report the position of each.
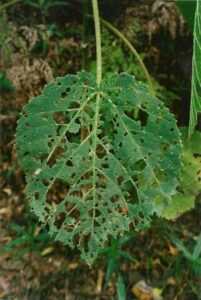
(6, 5)
(132, 49)
(98, 41)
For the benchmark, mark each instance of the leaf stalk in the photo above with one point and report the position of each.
(98, 41)
(133, 51)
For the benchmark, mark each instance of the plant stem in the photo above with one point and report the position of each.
(45, 26)
(132, 49)
(5, 5)
(98, 41)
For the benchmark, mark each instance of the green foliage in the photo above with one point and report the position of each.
(116, 172)
(121, 289)
(192, 256)
(196, 73)
(115, 253)
(5, 84)
(122, 59)
(190, 179)
(46, 5)
(119, 58)
(187, 8)
(27, 239)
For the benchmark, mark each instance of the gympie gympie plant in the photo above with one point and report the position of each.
(111, 171)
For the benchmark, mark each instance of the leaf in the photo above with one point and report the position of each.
(197, 248)
(92, 171)
(183, 248)
(187, 8)
(112, 260)
(127, 256)
(195, 108)
(189, 183)
(196, 264)
(5, 83)
(121, 290)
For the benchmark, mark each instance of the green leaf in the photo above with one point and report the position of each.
(195, 108)
(127, 256)
(121, 289)
(189, 183)
(92, 171)
(5, 83)
(183, 248)
(197, 248)
(196, 264)
(187, 8)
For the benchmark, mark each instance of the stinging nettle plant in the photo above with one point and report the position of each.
(115, 172)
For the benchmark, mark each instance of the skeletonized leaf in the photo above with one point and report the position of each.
(93, 171)
(195, 108)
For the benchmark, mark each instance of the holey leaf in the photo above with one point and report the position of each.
(92, 170)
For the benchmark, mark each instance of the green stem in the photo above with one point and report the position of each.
(132, 49)
(98, 41)
(5, 5)
(45, 26)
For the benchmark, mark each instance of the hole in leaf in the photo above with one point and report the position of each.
(49, 144)
(43, 156)
(45, 182)
(74, 105)
(165, 146)
(141, 215)
(140, 165)
(74, 213)
(120, 180)
(129, 114)
(60, 118)
(63, 95)
(100, 151)
(69, 163)
(114, 198)
(44, 116)
(55, 155)
(196, 155)
(57, 192)
(105, 166)
(143, 117)
(37, 195)
(59, 220)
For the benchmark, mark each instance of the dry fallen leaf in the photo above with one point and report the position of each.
(3, 294)
(47, 251)
(142, 291)
(7, 191)
(171, 281)
(173, 250)
(73, 266)
(145, 292)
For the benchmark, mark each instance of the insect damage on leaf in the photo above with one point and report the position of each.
(110, 171)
